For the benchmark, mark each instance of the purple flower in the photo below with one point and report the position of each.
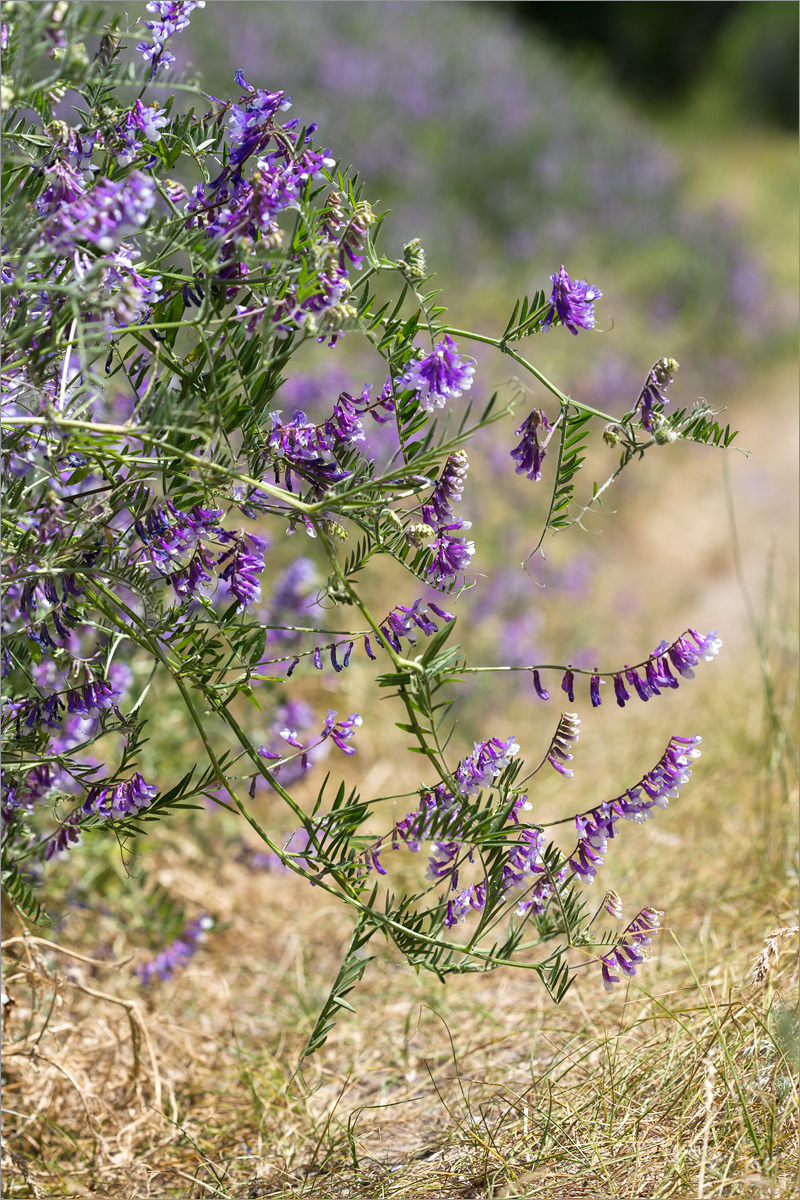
(442, 373)
(344, 426)
(450, 554)
(653, 392)
(178, 953)
(448, 490)
(568, 685)
(174, 16)
(626, 955)
(125, 799)
(541, 691)
(68, 835)
(530, 453)
(487, 761)
(145, 119)
(571, 303)
(293, 724)
(251, 114)
(442, 860)
(471, 897)
(404, 620)
(341, 732)
(105, 215)
(594, 690)
(245, 562)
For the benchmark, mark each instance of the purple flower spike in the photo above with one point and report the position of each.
(571, 303)
(594, 690)
(105, 215)
(442, 373)
(448, 490)
(541, 691)
(530, 454)
(568, 686)
(620, 691)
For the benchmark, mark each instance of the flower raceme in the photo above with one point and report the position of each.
(668, 658)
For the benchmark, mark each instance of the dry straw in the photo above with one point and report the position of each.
(770, 953)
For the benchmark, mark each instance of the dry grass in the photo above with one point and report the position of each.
(683, 1086)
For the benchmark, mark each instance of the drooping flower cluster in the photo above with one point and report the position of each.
(626, 955)
(451, 553)
(682, 655)
(530, 453)
(177, 954)
(571, 303)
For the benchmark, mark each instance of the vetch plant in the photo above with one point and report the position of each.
(150, 466)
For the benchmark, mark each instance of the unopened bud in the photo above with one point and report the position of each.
(414, 259)
(417, 534)
(664, 371)
(334, 529)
